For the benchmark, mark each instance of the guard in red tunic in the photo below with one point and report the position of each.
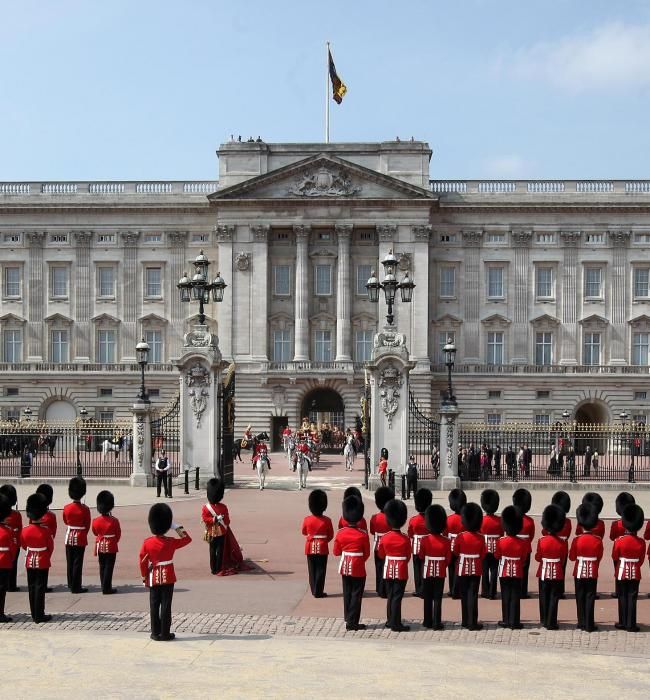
(417, 529)
(157, 568)
(395, 550)
(353, 546)
(594, 499)
(562, 499)
(216, 518)
(15, 522)
(49, 520)
(491, 529)
(469, 548)
(353, 491)
(551, 554)
(36, 539)
(378, 528)
(260, 448)
(586, 551)
(522, 500)
(7, 553)
(107, 531)
(457, 501)
(435, 554)
(318, 530)
(76, 516)
(617, 530)
(628, 554)
(303, 447)
(511, 553)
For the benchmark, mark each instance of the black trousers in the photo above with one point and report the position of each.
(216, 553)
(380, 584)
(451, 570)
(5, 580)
(432, 590)
(627, 598)
(549, 596)
(36, 585)
(586, 602)
(353, 587)
(395, 592)
(160, 608)
(468, 586)
(510, 600)
(106, 566)
(13, 581)
(524, 578)
(417, 574)
(74, 557)
(317, 568)
(489, 579)
(162, 481)
(411, 485)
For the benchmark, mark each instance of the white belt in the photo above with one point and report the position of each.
(463, 557)
(378, 536)
(428, 560)
(491, 537)
(523, 537)
(164, 563)
(319, 537)
(502, 563)
(76, 527)
(582, 568)
(452, 535)
(388, 559)
(545, 563)
(347, 554)
(43, 549)
(623, 563)
(106, 535)
(563, 538)
(416, 543)
(4, 549)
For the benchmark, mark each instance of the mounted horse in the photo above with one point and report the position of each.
(349, 453)
(302, 466)
(289, 444)
(114, 446)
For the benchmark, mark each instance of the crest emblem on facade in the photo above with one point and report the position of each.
(197, 375)
(243, 261)
(324, 183)
(390, 383)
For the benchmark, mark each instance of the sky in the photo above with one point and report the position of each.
(498, 88)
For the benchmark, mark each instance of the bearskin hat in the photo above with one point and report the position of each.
(396, 513)
(77, 488)
(382, 495)
(623, 499)
(352, 491)
(562, 499)
(472, 516)
(47, 491)
(422, 499)
(9, 490)
(317, 502)
(512, 520)
(594, 499)
(36, 506)
(587, 516)
(105, 502)
(490, 501)
(5, 507)
(352, 510)
(553, 518)
(632, 517)
(457, 499)
(160, 518)
(435, 519)
(522, 499)
(215, 489)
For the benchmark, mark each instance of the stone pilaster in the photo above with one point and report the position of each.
(84, 293)
(521, 244)
(131, 296)
(36, 296)
(176, 241)
(419, 272)
(226, 310)
(618, 314)
(301, 328)
(472, 295)
(569, 345)
(259, 280)
(141, 474)
(343, 323)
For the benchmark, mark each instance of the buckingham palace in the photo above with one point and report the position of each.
(544, 286)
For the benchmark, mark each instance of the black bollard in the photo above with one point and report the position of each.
(196, 479)
(391, 479)
(187, 481)
(403, 486)
(170, 481)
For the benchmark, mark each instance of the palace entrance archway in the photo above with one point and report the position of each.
(323, 406)
(590, 418)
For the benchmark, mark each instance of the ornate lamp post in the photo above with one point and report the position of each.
(390, 286)
(83, 414)
(450, 358)
(142, 355)
(199, 288)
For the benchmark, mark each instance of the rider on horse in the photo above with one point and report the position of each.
(303, 447)
(260, 448)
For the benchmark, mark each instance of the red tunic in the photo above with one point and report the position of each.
(511, 553)
(565, 532)
(628, 554)
(353, 546)
(107, 531)
(76, 516)
(435, 550)
(417, 529)
(8, 547)
(15, 522)
(395, 550)
(599, 530)
(470, 549)
(49, 520)
(551, 555)
(209, 517)
(36, 539)
(260, 448)
(616, 530)
(454, 526)
(646, 533)
(491, 529)
(378, 527)
(319, 531)
(528, 532)
(361, 525)
(586, 551)
(156, 554)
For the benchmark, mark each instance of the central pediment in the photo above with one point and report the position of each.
(322, 177)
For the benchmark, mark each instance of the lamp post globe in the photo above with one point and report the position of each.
(390, 285)
(450, 358)
(184, 286)
(373, 286)
(218, 288)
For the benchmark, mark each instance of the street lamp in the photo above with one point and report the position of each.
(142, 355)
(198, 288)
(27, 412)
(390, 285)
(624, 415)
(450, 357)
(83, 414)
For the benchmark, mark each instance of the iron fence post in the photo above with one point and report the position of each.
(196, 479)
(187, 481)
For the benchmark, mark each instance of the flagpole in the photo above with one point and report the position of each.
(327, 94)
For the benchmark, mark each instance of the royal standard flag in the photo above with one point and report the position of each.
(338, 86)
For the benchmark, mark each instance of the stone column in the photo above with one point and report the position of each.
(301, 327)
(520, 242)
(618, 328)
(225, 310)
(472, 296)
(141, 474)
(84, 293)
(259, 280)
(36, 296)
(419, 330)
(177, 266)
(449, 478)
(569, 345)
(131, 296)
(343, 291)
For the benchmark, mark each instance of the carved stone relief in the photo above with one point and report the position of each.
(243, 261)
(390, 383)
(324, 182)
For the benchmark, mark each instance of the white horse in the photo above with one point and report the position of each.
(349, 453)
(290, 448)
(262, 466)
(303, 470)
(110, 446)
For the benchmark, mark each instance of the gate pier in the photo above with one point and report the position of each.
(141, 474)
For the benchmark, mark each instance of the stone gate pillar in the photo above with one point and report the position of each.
(141, 474)
(449, 413)
(200, 367)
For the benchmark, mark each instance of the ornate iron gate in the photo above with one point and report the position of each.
(423, 441)
(166, 436)
(227, 437)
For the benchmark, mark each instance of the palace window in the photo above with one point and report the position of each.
(282, 280)
(495, 347)
(495, 282)
(323, 346)
(542, 419)
(495, 238)
(447, 282)
(363, 275)
(493, 419)
(641, 282)
(591, 349)
(363, 346)
(59, 345)
(59, 282)
(106, 346)
(543, 348)
(11, 283)
(640, 346)
(12, 342)
(282, 346)
(154, 339)
(545, 238)
(153, 282)
(544, 282)
(593, 282)
(494, 394)
(323, 280)
(106, 281)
